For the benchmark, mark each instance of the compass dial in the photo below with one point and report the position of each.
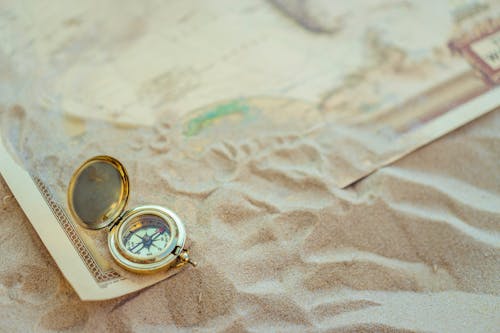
(146, 236)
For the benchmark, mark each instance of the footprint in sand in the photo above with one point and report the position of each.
(30, 284)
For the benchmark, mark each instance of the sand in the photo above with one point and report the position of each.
(413, 247)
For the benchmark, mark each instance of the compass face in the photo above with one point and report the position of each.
(147, 239)
(146, 236)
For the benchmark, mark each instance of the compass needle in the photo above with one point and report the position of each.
(159, 248)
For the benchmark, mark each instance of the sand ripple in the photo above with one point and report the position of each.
(414, 247)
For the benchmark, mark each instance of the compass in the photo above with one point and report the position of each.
(144, 239)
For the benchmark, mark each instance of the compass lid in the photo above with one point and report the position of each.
(98, 192)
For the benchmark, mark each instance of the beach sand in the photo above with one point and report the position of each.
(413, 247)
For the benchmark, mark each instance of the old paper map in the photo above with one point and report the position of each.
(180, 88)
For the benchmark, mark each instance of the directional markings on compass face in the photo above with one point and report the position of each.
(148, 235)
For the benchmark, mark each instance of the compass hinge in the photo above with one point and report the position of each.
(115, 222)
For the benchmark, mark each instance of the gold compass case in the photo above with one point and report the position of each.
(97, 196)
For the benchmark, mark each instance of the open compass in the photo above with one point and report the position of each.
(144, 239)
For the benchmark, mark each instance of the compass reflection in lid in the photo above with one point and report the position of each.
(146, 236)
(99, 192)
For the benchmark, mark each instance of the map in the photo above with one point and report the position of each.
(216, 89)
